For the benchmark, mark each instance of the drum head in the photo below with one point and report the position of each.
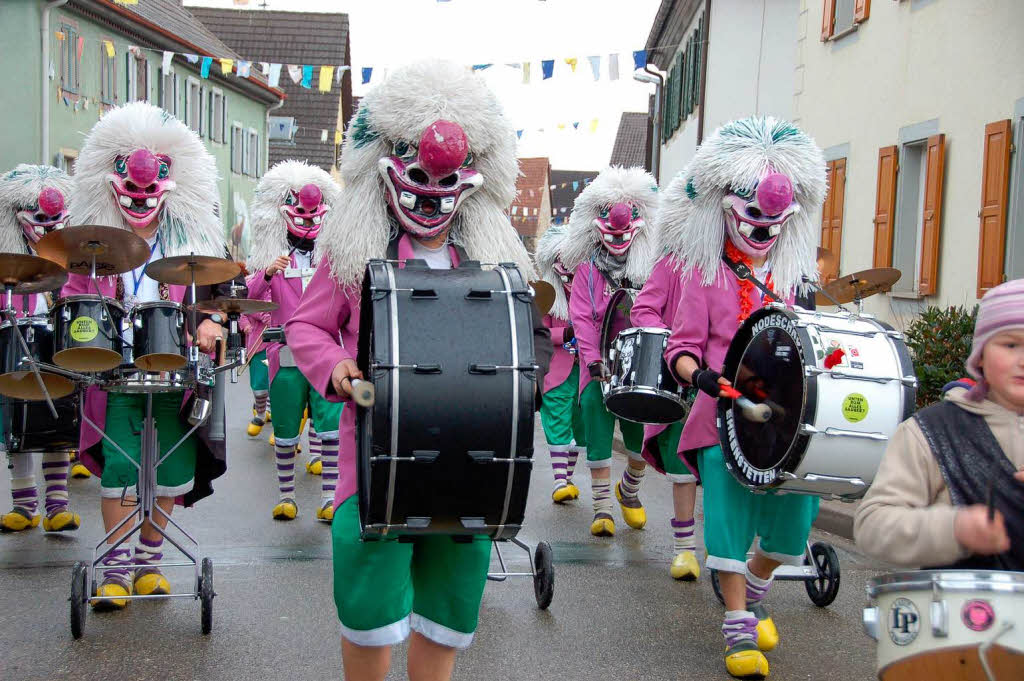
(160, 361)
(616, 319)
(645, 407)
(87, 359)
(22, 385)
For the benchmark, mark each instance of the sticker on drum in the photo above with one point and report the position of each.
(904, 621)
(84, 329)
(855, 407)
(978, 615)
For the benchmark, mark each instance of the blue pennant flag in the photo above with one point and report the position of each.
(576, 125)
(548, 67)
(519, 134)
(640, 59)
(481, 67)
(367, 71)
(307, 76)
(204, 70)
(575, 185)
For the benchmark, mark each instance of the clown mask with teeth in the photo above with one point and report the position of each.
(617, 225)
(47, 214)
(426, 182)
(564, 274)
(755, 217)
(140, 182)
(304, 211)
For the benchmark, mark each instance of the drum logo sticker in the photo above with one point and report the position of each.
(855, 407)
(904, 621)
(977, 615)
(84, 329)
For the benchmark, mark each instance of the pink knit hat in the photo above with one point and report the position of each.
(1001, 309)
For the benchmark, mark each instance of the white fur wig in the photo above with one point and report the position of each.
(400, 109)
(19, 190)
(692, 223)
(188, 218)
(548, 248)
(269, 231)
(613, 185)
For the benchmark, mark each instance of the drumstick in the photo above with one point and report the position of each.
(363, 392)
(758, 413)
(990, 498)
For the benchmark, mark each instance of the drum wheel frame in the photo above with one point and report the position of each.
(543, 575)
(822, 588)
(79, 599)
(205, 592)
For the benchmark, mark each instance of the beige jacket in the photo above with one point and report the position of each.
(906, 518)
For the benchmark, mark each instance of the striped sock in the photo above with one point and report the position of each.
(757, 588)
(631, 478)
(574, 455)
(148, 552)
(55, 470)
(24, 494)
(285, 455)
(601, 489)
(739, 626)
(682, 532)
(559, 463)
(262, 398)
(315, 443)
(120, 556)
(329, 477)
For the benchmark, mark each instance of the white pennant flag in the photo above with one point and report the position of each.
(295, 72)
(323, 135)
(340, 72)
(168, 56)
(265, 68)
(274, 74)
(613, 67)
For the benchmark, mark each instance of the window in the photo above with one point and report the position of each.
(168, 95)
(832, 210)
(218, 116)
(237, 152)
(252, 153)
(682, 91)
(841, 17)
(995, 185)
(108, 76)
(70, 59)
(65, 160)
(193, 104)
(136, 71)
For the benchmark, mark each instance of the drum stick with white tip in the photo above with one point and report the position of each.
(363, 392)
(752, 411)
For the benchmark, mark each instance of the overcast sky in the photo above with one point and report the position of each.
(386, 33)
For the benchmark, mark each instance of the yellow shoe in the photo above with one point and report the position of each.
(271, 440)
(767, 633)
(152, 584)
(255, 427)
(80, 472)
(287, 509)
(315, 466)
(745, 661)
(113, 594)
(685, 566)
(268, 419)
(326, 512)
(632, 510)
(61, 520)
(603, 526)
(17, 520)
(564, 493)
(573, 490)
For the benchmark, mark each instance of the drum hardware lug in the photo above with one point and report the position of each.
(479, 294)
(425, 455)
(426, 368)
(137, 323)
(483, 369)
(66, 313)
(894, 334)
(423, 294)
(940, 619)
(481, 456)
(870, 622)
(473, 523)
(786, 475)
(909, 381)
(807, 429)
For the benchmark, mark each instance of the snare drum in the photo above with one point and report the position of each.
(940, 624)
(641, 388)
(838, 386)
(159, 341)
(17, 380)
(85, 338)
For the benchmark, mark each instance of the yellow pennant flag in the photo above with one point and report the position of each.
(59, 35)
(110, 48)
(593, 125)
(126, 2)
(526, 72)
(571, 61)
(326, 76)
(561, 126)
(226, 65)
(337, 137)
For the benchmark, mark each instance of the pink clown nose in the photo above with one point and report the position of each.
(620, 215)
(774, 194)
(143, 167)
(310, 197)
(443, 148)
(51, 202)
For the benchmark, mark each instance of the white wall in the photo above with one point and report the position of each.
(958, 61)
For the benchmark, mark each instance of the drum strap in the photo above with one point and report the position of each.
(743, 272)
(969, 457)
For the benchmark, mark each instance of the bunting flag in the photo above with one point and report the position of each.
(323, 135)
(519, 134)
(192, 58)
(168, 56)
(275, 75)
(340, 72)
(575, 185)
(307, 76)
(226, 66)
(547, 66)
(526, 73)
(295, 73)
(571, 61)
(337, 137)
(204, 70)
(481, 67)
(110, 48)
(244, 68)
(126, 2)
(326, 76)
(593, 125)
(265, 68)
(595, 66)
(515, 209)
(640, 59)
(613, 67)
(367, 72)
(575, 125)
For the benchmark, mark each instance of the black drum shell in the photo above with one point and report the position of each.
(30, 427)
(39, 338)
(108, 332)
(642, 389)
(158, 328)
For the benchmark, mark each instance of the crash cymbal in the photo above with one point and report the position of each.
(236, 306)
(863, 284)
(179, 270)
(543, 295)
(116, 250)
(30, 273)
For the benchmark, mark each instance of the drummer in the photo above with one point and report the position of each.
(34, 202)
(929, 503)
(294, 201)
(610, 245)
(735, 206)
(144, 171)
(259, 378)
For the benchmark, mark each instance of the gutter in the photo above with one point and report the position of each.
(704, 70)
(44, 138)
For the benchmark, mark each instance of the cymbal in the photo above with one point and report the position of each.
(116, 250)
(30, 273)
(179, 270)
(543, 295)
(236, 306)
(863, 284)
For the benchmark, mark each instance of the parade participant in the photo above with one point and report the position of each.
(928, 504)
(259, 375)
(33, 202)
(294, 201)
(611, 244)
(560, 413)
(747, 197)
(143, 170)
(428, 169)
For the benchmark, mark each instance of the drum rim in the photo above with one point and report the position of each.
(78, 297)
(29, 320)
(633, 330)
(157, 303)
(946, 580)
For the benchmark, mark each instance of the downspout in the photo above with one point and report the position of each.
(655, 77)
(44, 138)
(704, 69)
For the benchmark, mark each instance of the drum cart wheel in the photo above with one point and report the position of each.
(206, 593)
(542, 570)
(820, 574)
(79, 598)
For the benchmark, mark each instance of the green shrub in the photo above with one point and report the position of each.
(940, 342)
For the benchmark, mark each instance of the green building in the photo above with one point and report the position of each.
(66, 62)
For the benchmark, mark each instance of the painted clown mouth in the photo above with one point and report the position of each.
(618, 242)
(138, 207)
(304, 221)
(36, 228)
(426, 208)
(759, 234)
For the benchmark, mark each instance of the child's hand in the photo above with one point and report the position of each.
(978, 534)
(1019, 475)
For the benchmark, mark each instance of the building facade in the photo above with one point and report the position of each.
(530, 212)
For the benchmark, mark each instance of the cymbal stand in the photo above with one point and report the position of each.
(822, 291)
(193, 350)
(12, 316)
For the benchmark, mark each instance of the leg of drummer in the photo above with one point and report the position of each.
(685, 565)
(599, 426)
(55, 471)
(260, 384)
(78, 470)
(315, 465)
(579, 443)
(556, 418)
(149, 581)
(627, 490)
(326, 416)
(289, 392)
(24, 496)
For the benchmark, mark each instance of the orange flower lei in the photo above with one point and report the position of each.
(746, 286)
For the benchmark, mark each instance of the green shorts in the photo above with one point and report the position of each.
(599, 425)
(291, 394)
(125, 413)
(734, 515)
(560, 413)
(665, 447)
(384, 588)
(259, 373)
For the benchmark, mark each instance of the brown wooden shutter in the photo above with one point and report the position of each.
(935, 160)
(828, 16)
(861, 10)
(885, 205)
(995, 184)
(826, 208)
(838, 192)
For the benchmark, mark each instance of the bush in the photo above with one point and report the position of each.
(940, 342)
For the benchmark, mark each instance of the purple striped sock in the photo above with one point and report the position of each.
(559, 464)
(739, 626)
(148, 552)
(601, 490)
(631, 478)
(574, 455)
(55, 471)
(316, 446)
(757, 588)
(329, 477)
(262, 399)
(24, 496)
(285, 456)
(118, 557)
(682, 533)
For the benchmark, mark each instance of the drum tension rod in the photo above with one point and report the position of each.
(490, 369)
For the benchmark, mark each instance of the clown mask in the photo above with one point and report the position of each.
(754, 218)
(140, 182)
(304, 211)
(427, 182)
(46, 215)
(564, 274)
(617, 225)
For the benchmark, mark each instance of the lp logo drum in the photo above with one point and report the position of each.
(904, 621)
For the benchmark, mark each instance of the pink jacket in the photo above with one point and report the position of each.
(287, 294)
(563, 360)
(587, 303)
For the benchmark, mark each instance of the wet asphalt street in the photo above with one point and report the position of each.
(616, 614)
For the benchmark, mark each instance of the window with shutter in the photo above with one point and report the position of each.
(826, 208)
(861, 10)
(995, 184)
(828, 16)
(885, 205)
(928, 282)
(832, 211)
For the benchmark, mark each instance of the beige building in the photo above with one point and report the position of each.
(919, 105)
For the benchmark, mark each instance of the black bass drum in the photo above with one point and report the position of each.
(447, 446)
(30, 427)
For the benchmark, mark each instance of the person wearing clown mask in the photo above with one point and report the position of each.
(746, 197)
(610, 245)
(294, 202)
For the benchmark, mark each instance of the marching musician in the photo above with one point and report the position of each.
(294, 202)
(746, 198)
(610, 245)
(253, 325)
(949, 492)
(428, 169)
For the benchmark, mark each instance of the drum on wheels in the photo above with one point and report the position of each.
(17, 380)
(447, 446)
(87, 333)
(834, 383)
(158, 340)
(947, 625)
